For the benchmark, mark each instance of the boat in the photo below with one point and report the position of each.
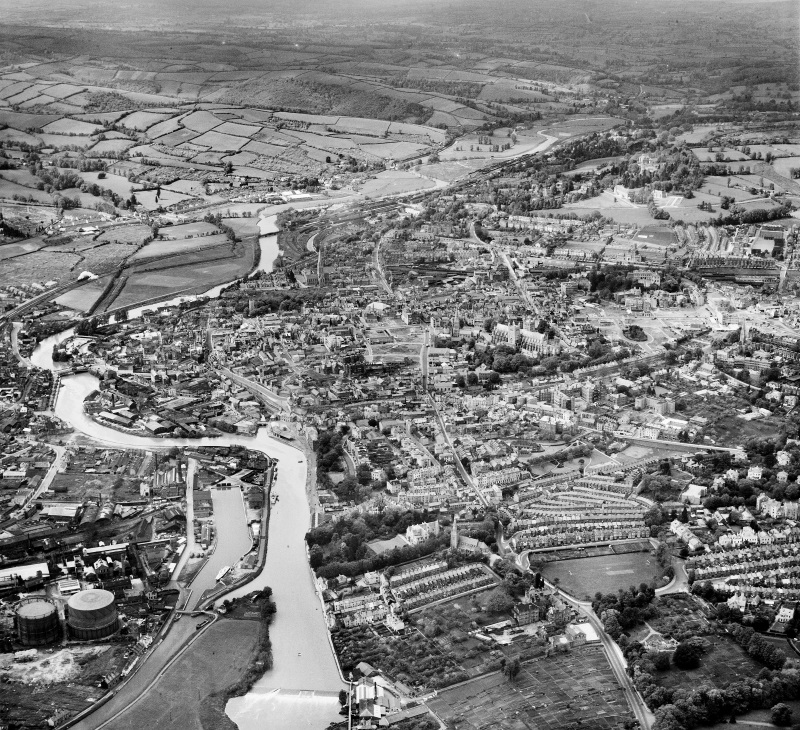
(273, 498)
(222, 573)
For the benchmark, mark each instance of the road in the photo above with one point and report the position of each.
(376, 262)
(191, 473)
(459, 466)
(58, 464)
(495, 249)
(14, 335)
(271, 398)
(679, 584)
(423, 359)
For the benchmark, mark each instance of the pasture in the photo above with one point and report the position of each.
(83, 298)
(190, 273)
(175, 246)
(187, 698)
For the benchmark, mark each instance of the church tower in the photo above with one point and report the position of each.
(454, 534)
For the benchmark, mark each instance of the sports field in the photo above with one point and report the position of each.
(583, 577)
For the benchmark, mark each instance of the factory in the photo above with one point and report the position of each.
(37, 622)
(91, 615)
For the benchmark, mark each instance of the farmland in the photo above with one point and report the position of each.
(576, 689)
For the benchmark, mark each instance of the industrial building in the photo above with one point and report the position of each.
(91, 614)
(37, 622)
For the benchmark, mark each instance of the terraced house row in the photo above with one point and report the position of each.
(557, 535)
(417, 572)
(584, 511)
(747, 567)
(442, 585)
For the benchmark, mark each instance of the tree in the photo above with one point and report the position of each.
(661, 661)
(316, 557)
(687, 655)
(511, 670)
(611, 623)
(781, 714)
(499, 602)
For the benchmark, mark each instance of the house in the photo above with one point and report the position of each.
(694, 494)
(755, 472)
(415, 534)
(676, 527)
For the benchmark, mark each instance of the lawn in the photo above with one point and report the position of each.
(576, 689)
(185, 698)
(583, 577)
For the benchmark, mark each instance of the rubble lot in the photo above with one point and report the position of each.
(49, 667)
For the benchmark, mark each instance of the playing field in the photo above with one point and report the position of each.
(584, 577)
(550, 693)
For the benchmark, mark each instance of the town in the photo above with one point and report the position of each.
(407, 422)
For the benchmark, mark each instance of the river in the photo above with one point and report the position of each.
(305, 675)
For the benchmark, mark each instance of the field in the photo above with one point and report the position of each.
(576, 689)
(84, 297)
(207, 138)
(134, 233)
(39, 267)
(586, 576)
(187, 696)
(190, 273)
(165, 248)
